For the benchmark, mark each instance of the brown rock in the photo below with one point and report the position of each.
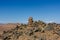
(30, 22)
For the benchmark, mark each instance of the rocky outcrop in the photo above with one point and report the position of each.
(34, 30)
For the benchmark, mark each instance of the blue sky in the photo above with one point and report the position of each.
(13, 11)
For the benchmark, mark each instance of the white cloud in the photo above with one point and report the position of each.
(49, 21)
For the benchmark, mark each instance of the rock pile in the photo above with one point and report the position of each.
(34, 30)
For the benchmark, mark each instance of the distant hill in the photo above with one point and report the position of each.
(7, 26)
